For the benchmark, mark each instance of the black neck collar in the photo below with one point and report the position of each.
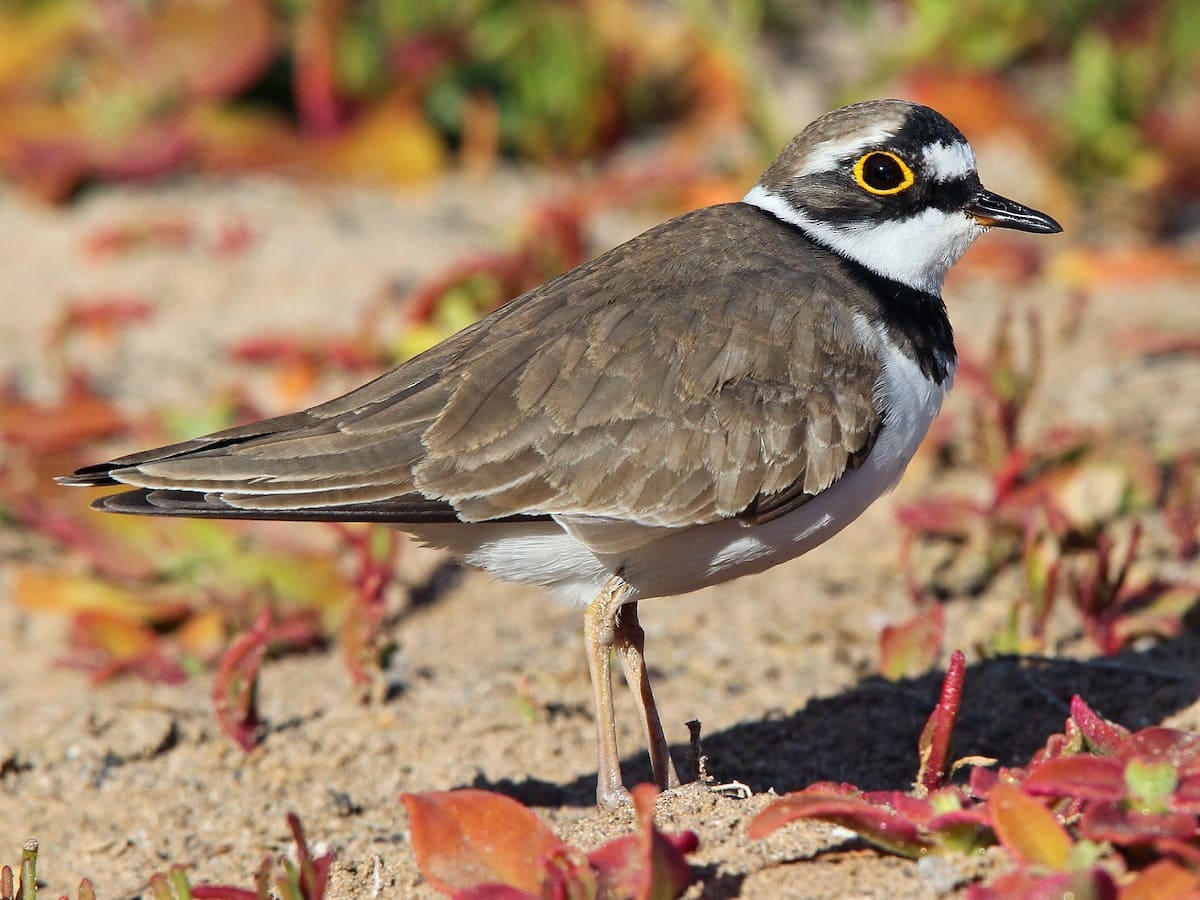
(914, 319)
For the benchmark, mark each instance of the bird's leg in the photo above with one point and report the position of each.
(599, 632)
(630, 643)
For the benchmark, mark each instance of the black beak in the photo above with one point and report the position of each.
(994, 211)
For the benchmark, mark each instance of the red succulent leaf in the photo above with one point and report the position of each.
(100, 315)
(684, 841)
(878, 823)
(79, 417)
(1104, 738)
(1182, 850)
(1020, 883)
(1106, 601)
(142, 152)
(1066, 744)
(376, 559)
(314, 871)
(209, 49)
(981, 781)
(1106, 821)
(1180, 507)
(568, 874)
(933, 748)
(500, 892)
(235, 685)
(306, 879)
(1092, 884)
(646, 865)
(222, 892)
(469, 839)
(1009, 486)
(962, 830)
(108, 644)
(327, 352)
(1153, 343)
(138, 68)
(1179, 748)
(1027, 829)
(137, 234)
(320, 107)
(974, 816)
(941, 516)
(919, 810)
(1087, 777)
(1186, 797)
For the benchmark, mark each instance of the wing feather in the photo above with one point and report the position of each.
(645, 386)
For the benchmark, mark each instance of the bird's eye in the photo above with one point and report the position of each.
(881, 172)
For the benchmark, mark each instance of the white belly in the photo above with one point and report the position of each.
(567, 559)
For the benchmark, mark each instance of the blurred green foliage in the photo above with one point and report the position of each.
(565, 78)
(1099, 68)
(129, 88)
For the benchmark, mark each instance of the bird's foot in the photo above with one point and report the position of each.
(613, 798)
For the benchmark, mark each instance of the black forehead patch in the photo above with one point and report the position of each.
(921, 129)
(925, 126)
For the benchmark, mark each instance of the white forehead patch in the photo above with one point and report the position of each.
(945, 162)
(831, 155)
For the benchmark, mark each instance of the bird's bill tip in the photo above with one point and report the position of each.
(993, 211)
(92, 476)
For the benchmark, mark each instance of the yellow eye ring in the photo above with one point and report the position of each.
(881, 172)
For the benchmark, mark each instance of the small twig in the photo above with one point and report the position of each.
(699, 765)
(735, 789)
(696, 758)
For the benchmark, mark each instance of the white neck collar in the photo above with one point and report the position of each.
(916, 251)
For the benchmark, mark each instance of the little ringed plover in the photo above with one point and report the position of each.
(711, 398)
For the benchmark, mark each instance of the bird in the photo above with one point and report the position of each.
(711, 398)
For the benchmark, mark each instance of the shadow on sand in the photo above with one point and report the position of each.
(867, 735)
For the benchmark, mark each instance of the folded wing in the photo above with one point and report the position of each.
(645, 386)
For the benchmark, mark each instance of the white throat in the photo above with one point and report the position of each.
(916, 251)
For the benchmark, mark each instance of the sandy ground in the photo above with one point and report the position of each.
(120, 781)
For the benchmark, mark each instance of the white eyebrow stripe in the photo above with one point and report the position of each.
(946, 162)
(831, 155)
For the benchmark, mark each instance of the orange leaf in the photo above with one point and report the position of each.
(203, 635)
(912, 647)
(234, 139)
(469, 837)
(391, 143)
(30, 40)
(79, 594)
(1027, 829)
(1124, 267)
(121, 639)
(107, 644)
(50, 429)
(1161, 880)
(295, 380)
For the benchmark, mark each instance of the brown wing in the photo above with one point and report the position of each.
(644, 386)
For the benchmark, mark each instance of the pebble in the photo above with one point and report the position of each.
(137, 734)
